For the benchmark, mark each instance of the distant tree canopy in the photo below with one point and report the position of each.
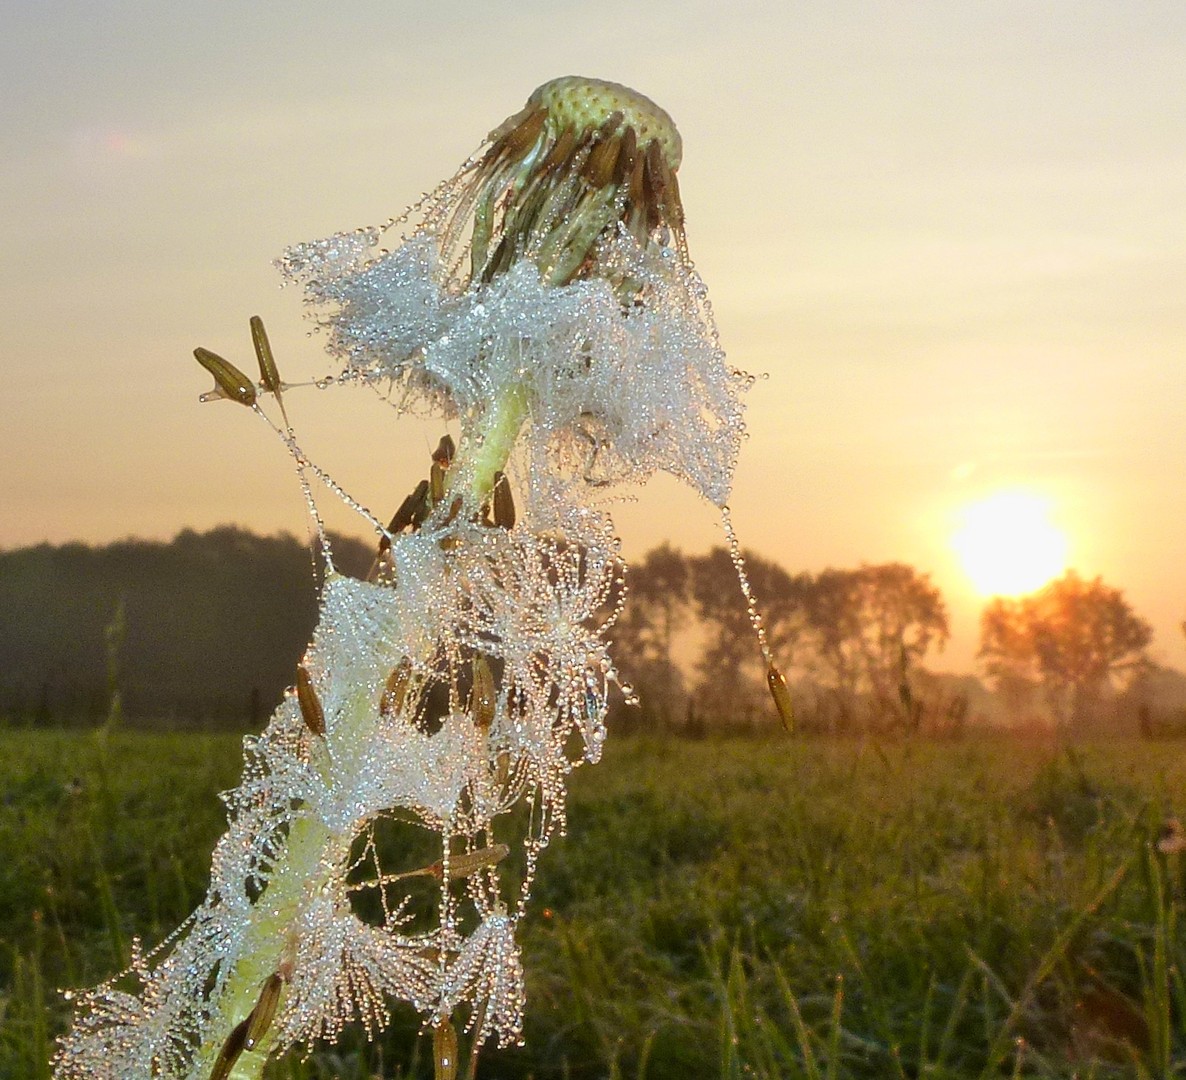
(872, 624)
(658, 609)
(207, 629)
(213, 625)
(860, 632)
(1075, 638)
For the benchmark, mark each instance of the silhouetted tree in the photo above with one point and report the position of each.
(205, 619)
(1073, 637)
(657, 609)
(732, 679)
(870, 627)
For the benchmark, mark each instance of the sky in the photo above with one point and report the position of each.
(949, 235)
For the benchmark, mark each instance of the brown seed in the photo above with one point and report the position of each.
(517, 134)
(264, 1012)
(391, 701)
(414, 505)
(231, 1049)
(624, 166)
(782, 697)
(559, 153)
(602, 161)
(502, 768)
(436, 484)
(504, 502)
(229, 381)
(444, 1051)
(460, 866)
(310, 704)
(469, 862)
(484, 700)
(445, 451)
(268, 373)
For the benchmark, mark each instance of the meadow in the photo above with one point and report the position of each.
(725, 907)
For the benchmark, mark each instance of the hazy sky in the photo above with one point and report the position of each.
(953, 235)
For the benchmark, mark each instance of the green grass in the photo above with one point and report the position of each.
(722, 908)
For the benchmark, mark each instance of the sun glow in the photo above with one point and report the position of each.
(1008, 545)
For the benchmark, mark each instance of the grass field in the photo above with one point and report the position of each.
(718, 908)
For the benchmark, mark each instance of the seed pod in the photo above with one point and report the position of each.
(231, 1049)
(229, 381)
(484, 699)
(782, 697)
(504, 503)
(264, 1012)
(310, 704)
(391, 701)
(444, 1051)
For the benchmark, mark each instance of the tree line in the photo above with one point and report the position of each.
(854, 645)
(203, 630)
(207, 629)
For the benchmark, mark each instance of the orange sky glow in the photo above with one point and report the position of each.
(949, 235)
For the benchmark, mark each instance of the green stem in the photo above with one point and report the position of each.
(500, 426)
(276, 911)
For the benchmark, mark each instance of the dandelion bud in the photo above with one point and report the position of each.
(582, 156)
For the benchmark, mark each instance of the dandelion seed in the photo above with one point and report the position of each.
(412, 510)
(503, 501)
(484, 695)
(268, 372)
(310, 704)
(229, 381)
(443, 454)
(235, 1043)
(444, 1050)
(260, 1020)
(782, 697)
(395, 690)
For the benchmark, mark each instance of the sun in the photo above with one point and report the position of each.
(1008, 545)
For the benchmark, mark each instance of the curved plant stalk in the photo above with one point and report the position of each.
(543, 299)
